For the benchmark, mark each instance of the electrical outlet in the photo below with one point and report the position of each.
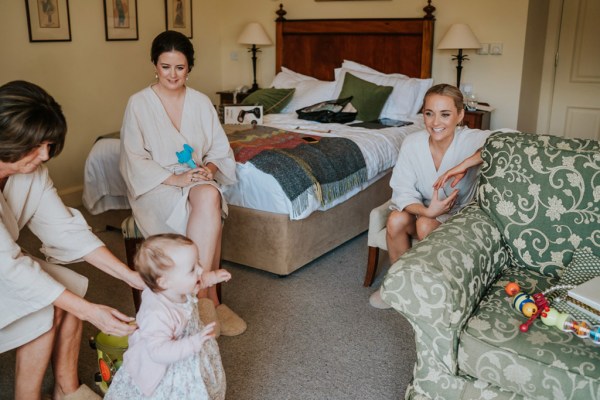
(484, 50)
(495, 49)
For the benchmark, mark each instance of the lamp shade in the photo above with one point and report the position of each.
(459, 36)
(254, 33)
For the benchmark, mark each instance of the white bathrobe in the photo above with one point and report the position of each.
(149, 142)
(28, 286)
(415, 173)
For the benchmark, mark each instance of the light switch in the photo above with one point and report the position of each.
(495, 49)
(485, 49)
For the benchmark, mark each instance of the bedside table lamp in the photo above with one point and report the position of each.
(254, 34)
(460, 37)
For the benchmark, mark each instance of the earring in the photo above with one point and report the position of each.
(187, 77)
(155, 75)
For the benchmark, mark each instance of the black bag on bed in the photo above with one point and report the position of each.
(329, 111)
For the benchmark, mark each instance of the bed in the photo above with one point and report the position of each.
(316, 54)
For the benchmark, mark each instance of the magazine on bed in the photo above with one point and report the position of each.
(381, 123)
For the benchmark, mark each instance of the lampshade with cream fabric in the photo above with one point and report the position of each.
(254, 33)
(459, 36)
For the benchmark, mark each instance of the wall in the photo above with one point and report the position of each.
(92, 78)
(533, 63)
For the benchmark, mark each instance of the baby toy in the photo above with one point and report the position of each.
(110, 351)
(564, 322)
(534, 306)
(185, 156)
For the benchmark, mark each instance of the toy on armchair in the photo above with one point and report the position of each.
(534, 306)
(185, 156)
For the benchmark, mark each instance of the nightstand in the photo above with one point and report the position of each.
(477, 119)
(226, 97)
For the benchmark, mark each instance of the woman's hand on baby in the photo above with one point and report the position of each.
(111, 321)
(135, 280)
(208, 332)
(210, 278)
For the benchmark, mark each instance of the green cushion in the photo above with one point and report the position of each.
(543, 363)
(583, 267)
(273, 100)
(368, 98)
(542, 193)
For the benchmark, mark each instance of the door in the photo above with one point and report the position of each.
(576, 99)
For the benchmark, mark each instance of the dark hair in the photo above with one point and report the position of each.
(151, 260)
(172, 41)
(444, 89)
(29, 117)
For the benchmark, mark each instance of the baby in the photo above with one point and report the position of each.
(172, 355)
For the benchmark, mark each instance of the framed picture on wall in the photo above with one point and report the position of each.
(178, 15)
(48, 20)
(120, 19)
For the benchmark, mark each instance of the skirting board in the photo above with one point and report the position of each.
(274, 243)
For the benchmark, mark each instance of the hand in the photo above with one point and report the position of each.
(204, 335)
(457, 172)
(135, 280)
(439, 207)
(111, 321)
(210, 278)
(204, 173)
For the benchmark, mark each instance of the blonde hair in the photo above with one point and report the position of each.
(444, 89)
(151, 260)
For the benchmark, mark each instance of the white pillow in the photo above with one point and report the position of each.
(309, 92)
(363, 68)
(288, 79)
(406, 98)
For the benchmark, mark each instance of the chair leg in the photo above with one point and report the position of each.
(131, 246)
(371, 266)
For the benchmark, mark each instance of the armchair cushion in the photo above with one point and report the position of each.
(533, 187)
(532, 364)
(377, 221)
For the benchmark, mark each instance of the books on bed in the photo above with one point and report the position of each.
(586, 297)
(381, 123)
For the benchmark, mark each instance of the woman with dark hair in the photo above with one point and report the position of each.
(167, 196)
(421, 200)
(41, 304)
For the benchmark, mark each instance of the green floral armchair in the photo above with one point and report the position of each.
(538, 201)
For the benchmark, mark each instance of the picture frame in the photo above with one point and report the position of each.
(178, 16)
(120, 20)
(48, 20)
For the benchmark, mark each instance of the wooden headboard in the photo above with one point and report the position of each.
(315, 47)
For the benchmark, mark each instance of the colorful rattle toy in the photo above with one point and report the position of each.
(531, 306)
(565, 322)
(185, 156)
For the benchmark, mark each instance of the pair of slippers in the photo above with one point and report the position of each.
(228, 322)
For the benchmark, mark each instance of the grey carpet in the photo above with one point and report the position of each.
(311, 335)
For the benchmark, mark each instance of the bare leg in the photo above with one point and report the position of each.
(65, 356)
(204, 228)
(32, 361)
(425, 226)
(400, 226)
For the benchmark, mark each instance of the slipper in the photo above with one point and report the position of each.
(376, 301)
(231, 323)
(82, 393)
(208, 314)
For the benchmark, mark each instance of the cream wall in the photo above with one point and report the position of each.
(92, 78)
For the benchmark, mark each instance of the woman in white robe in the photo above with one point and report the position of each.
(41, 304)
(422, 195)
(166, 195)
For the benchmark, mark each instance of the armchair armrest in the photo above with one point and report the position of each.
(439, 282)
(377, 222)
